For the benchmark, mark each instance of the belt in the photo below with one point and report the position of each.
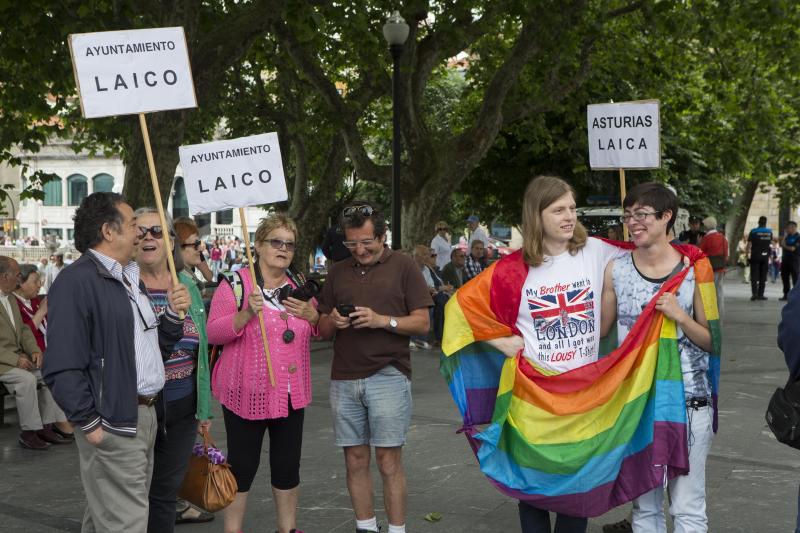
(697, 402)
(147, 400)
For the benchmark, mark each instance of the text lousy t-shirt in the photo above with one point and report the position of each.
(559, 314)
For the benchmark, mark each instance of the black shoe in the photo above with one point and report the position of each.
(69, 436)
(753, 298)
(762, 298)
(369, 530)
(783, 299)
(185, 517)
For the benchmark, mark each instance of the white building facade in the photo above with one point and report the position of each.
(80, 175)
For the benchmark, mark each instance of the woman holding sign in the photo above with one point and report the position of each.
(186, 394)
(240, 380)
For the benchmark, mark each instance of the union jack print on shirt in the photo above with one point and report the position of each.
(564, 306)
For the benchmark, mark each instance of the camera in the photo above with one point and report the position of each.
(345, 309)
(305, 292)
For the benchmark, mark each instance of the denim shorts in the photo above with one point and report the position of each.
(375, 410)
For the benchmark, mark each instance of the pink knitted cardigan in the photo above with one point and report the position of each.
(240, 380)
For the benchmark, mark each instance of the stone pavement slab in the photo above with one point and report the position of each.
(752, 479)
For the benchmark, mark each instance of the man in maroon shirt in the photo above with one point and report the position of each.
(715, 246)
(372, 303)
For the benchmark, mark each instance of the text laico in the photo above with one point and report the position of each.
(624, 135)
(233, 173)
(132, 71)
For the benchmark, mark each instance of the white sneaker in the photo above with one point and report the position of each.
(425, 345)
(412, 346)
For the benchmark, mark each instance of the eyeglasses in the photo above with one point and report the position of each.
(156, 231)
(445, 228)
(196, 244)
(352, 245)
(363, 210)
(279, 244)
(638, 216)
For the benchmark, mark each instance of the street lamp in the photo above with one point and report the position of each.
(395, 31)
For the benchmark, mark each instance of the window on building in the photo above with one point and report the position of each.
(180, 204)
(70, 234)
(77, 189)
(103, 183)
(52, 192)
(58, 232)
(225, 216)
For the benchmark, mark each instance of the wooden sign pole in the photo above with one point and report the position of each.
(159, 205)
(255, 284)
(622, 194)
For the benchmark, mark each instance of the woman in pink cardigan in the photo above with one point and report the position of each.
(240, 381)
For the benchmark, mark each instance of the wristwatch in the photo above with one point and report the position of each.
(392, 322)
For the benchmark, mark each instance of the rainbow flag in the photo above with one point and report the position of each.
(587, 440)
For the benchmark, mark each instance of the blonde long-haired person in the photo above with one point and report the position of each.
(185, 399)
(250, 405)
(561, 259)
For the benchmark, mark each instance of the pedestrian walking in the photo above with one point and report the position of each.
(758, 243)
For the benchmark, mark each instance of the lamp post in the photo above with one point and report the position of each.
(395, 31)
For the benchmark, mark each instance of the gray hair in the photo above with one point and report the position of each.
(148, 210)
(25, 272)
(176, 246)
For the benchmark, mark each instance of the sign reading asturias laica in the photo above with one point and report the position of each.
(132, 71)
(624, 135)
(233, 173)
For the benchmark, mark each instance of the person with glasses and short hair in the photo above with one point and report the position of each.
(240, 381)
(192, 250)
(104, 364)
(372, 303)
(440, 244)
(186, 393)
(630, 283)
(474, 264)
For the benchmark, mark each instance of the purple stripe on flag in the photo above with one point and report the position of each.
(639, 473)
(480, 404)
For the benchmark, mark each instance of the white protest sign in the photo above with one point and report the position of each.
(624, 135)
(233, 173)
(132, 71)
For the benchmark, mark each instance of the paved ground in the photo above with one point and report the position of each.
(752, 479)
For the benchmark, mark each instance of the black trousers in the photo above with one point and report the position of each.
(439, 301)
(533, 520)
(174, 442)
(789, 270)
(245, 438)
(758, 275)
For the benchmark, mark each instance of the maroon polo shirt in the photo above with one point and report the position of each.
(393, 286)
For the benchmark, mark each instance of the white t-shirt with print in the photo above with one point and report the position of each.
(559, 313)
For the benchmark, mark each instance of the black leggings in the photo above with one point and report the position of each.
(245, 438)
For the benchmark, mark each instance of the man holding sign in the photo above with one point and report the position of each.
(104, 362)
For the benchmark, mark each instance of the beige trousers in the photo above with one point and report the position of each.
(35, 407)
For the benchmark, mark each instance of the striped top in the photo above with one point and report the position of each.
(149, 366)
(182, 362)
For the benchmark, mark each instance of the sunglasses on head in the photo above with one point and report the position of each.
(363, 210)
(196, 244)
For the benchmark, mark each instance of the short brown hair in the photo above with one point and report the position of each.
(273, 222)
(185, 226)
(540, 193)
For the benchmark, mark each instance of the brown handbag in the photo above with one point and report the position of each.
(206, 485)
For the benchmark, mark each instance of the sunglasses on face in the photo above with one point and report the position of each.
(363, 210)
(156, 231)
(196, 244)
(279, 244)
(443, 229)
(352, 245)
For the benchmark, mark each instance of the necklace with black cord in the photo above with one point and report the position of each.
(288, 333)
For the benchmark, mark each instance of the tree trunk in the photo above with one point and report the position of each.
(737, 217)
(166, 131)
(423, 208)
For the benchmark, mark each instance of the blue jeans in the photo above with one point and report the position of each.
(375, 410)
(535, 520)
